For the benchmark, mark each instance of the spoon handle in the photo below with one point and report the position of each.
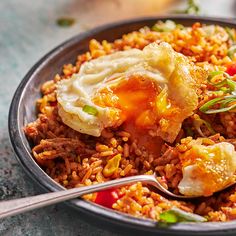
(17, 206)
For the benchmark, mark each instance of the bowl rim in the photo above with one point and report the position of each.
(25, 158)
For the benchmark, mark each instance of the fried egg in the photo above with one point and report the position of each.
(207, 169)
(151, 88)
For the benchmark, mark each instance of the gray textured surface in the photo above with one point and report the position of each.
(27, 32)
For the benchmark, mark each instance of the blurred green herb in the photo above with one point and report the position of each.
(65, 22)
(232, 51)
(166, 26)
(192, 8)
(230, 33)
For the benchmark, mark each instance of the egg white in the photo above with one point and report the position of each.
(159, 62)
(192, 183)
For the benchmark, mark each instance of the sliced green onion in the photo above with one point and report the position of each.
(168, 217)
(90, 110)
(227, 86)
(229, 32)
(215, 73)
(231, 84)
(65, 22)
(167, 26)
(204, 108)
(231, 51)
(175, 215)
(226, 82)
(223, 102)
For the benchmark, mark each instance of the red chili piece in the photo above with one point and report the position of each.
(231, 70)
(107, 198)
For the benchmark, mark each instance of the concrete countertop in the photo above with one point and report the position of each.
(28, 31)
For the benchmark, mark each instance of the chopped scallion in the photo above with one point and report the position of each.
(175, 215)
(167, 26)
(222, 101)
(232, 51)
(229, 32)
(90, 110)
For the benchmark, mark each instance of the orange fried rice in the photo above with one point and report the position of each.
(74, 159)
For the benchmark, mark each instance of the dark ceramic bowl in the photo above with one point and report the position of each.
(22, 111)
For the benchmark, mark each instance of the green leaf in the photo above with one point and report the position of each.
(65, 22)
(90, 110)
(175, 215)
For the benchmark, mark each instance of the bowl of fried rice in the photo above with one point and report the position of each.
(143, 96)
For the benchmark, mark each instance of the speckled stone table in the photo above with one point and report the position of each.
(27, 31)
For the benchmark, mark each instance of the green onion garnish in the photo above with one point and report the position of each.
(229, 32)
(166, 26)
(227, 85)
(175, 215)
(231, 51)
(90, 110)
(65, 22)
(223, 102)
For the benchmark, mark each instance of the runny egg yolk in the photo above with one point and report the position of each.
(136, 98)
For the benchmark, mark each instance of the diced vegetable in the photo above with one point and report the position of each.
(169, 217)
(112, 165)
(175, 215)
(107, 198)
(231, 70)
(90, 110)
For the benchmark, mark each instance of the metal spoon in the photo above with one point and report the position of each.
(17, 206)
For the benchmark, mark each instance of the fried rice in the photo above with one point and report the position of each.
(74, 159)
